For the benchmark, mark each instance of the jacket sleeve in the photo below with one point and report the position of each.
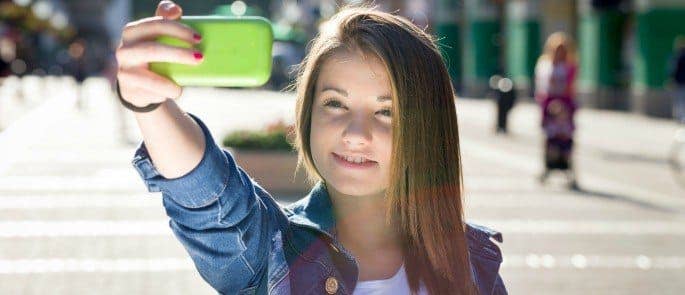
(224, 220)
(499, 289)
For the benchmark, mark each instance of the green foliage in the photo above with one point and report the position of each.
(276, 137)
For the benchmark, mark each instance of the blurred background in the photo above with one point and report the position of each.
(76, 218)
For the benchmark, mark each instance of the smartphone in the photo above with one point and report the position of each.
(236, 50)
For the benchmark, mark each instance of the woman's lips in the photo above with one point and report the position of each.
(342, 162)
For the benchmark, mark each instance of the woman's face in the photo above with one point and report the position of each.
(351, 116)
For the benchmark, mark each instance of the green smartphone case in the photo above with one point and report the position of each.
(237, 52)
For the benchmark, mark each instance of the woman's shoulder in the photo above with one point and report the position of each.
(480, 242)
(485, 257)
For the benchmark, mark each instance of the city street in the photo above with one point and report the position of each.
(75, 217)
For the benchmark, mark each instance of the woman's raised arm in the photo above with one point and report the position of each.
(174, 141)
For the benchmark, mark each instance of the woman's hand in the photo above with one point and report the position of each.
(137, 84)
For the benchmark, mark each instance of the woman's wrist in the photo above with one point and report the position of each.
(146, 109)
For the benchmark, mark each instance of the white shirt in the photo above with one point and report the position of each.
(396, 285)
(551, 79)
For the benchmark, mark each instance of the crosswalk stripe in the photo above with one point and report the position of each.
(127, 179)
(71, 183)
(532, 261)
(89, 228)
(93, 228)
(54, 201)
(580, 261)
(584, 227)
(153, 200)
(32, 266)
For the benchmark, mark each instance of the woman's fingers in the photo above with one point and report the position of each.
(137, 84)
(150, 51)
(152, 27)
(144, 96)
(154, 87)
(168, 10)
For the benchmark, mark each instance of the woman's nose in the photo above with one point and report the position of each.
(357, 133)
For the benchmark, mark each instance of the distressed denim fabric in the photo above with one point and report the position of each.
(243, 242)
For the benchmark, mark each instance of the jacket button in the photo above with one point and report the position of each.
(334, 247)
(331, 285)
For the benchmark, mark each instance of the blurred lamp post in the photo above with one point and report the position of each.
(523, 45)
(600, 38)
(481, 45)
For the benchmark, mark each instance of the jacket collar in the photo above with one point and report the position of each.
(315, 211)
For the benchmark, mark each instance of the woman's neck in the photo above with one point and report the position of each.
(362, 230)
(361, 224)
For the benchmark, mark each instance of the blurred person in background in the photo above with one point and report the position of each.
(90, 56)
(7, 54)
(677, 79)
(77, 67)
(504, 94)
(555, 74)
(12, 52)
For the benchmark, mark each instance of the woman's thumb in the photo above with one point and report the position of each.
(167, 9)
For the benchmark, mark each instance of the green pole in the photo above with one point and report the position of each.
(600, 39)
(659, 22)
(481, 51)
(448, 30)
(523, 45)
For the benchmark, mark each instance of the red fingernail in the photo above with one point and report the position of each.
(197, 37)
(197, 55)
(167, 5)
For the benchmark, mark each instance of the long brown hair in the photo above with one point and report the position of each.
(552, 44)
(424, 196)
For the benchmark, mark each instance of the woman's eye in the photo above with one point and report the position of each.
(333, 103)
(336, 104)
(386, 112)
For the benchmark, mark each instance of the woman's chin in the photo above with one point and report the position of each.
(356, 188)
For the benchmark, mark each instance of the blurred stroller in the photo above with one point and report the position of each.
(555, 74)
(558, 127)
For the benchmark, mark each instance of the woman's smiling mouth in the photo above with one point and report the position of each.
(351, 164)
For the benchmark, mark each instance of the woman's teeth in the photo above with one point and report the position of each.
(355, 159)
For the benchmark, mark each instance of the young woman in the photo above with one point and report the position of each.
(555, 75)
(377, 133)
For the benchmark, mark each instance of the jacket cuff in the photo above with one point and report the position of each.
(197, 188)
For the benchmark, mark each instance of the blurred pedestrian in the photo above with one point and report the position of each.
(555, 74)
(77, 66)
(7, 54)
(505, 98)
(8, 51)
(677, 79)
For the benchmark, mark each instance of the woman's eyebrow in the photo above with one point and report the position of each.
(344, 93)
(338, 90)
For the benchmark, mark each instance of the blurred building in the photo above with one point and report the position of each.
(624, 46)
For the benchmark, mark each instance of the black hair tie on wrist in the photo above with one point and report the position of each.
(148, 108)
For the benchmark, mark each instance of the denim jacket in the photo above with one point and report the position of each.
(243, 242)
